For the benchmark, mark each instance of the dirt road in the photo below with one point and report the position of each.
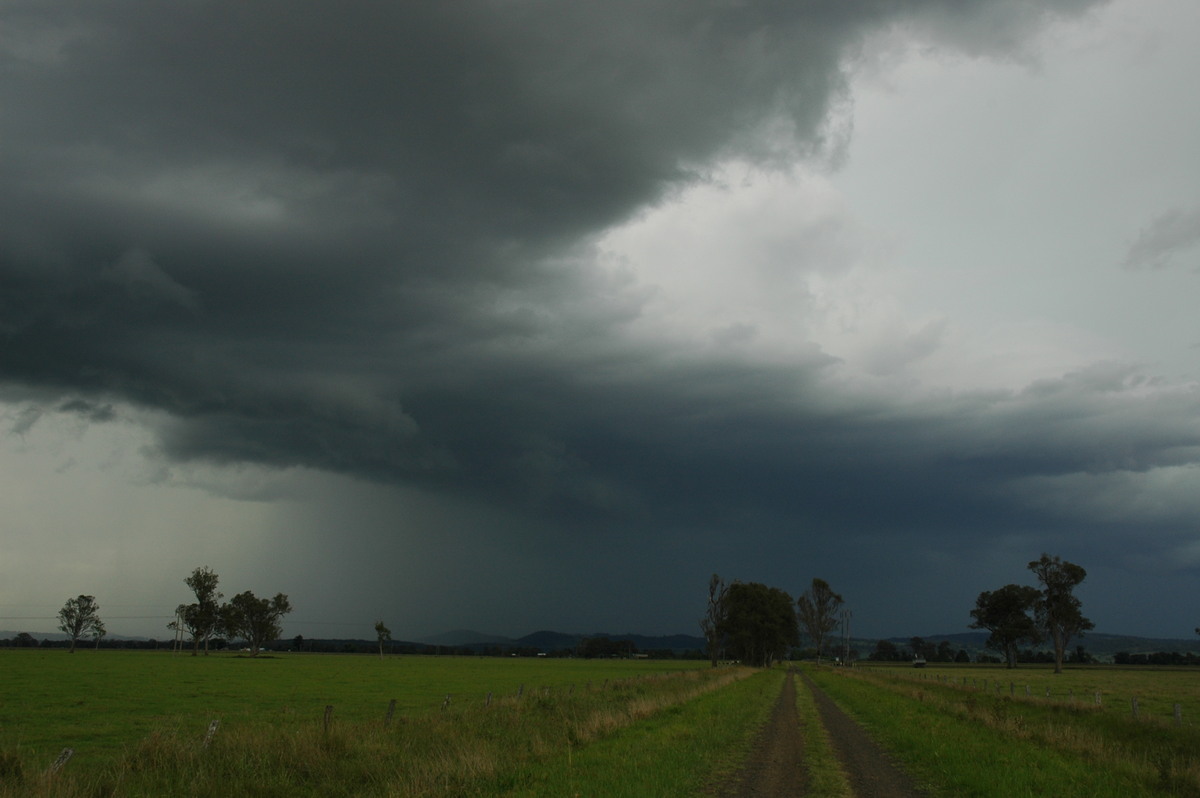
(775, 767)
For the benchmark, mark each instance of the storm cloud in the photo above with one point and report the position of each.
(369, 240)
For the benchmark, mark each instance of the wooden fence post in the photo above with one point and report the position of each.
(1178, 714)
(212, 731)
(391, 711)
(1135, 708)
(328, 717)
(57, 764)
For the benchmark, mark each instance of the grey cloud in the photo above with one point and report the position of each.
(1167, 237)
(355, 238)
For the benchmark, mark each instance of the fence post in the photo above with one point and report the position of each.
(1135, 708)
(328, 716)
(1097, 698)
(1178, 714)
(212, 730)
(391, 711)
(57, 765)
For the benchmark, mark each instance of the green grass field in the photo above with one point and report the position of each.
(971, 731)
(137, 722)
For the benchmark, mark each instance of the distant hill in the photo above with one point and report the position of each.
(463, 637)
(546, 640)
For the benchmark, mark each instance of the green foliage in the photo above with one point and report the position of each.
(201, 619)
(256, 620)
(80, 616)
(760, 624)
(1058, 611)
(1006, 613)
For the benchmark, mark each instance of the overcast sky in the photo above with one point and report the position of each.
(520, 315)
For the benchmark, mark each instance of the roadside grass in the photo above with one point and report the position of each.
(826, 777)
(637, 713)
(972, 742)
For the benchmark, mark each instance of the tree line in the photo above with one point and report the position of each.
(756, 624)
(1016, 614)
(244, 617)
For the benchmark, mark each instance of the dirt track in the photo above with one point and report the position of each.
(775, 766)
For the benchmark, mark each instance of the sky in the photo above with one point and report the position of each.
(522, 315)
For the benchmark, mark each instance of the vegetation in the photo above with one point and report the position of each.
(760, 623)
(817, 610)
(382, 635)
(80, 616)
(1058, 611)
(1007, 614)
(256, 620)
(966, 738)
(245, 616)
(461, 725)
(713, 622)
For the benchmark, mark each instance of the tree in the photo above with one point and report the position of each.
(760, 623)
(1058, 612)
(201, 619)
(255, 620)
(384, 634)
(1007, 614)
(818, 609)
(78, 616)
(886, 651)
(25, 640)
(98, 631)
(714, 617)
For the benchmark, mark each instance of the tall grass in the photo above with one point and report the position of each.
(469, 748)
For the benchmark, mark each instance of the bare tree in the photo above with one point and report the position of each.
(80, 616)
(818, 613)
(713, 622)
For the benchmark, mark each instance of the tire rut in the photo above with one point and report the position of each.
(872, 773)
(775, 766)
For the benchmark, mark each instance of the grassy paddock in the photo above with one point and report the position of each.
(137, 722)
(1157, 690)
(972, 741)
(100, 702)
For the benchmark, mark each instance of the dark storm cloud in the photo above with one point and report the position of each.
(354, 237)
